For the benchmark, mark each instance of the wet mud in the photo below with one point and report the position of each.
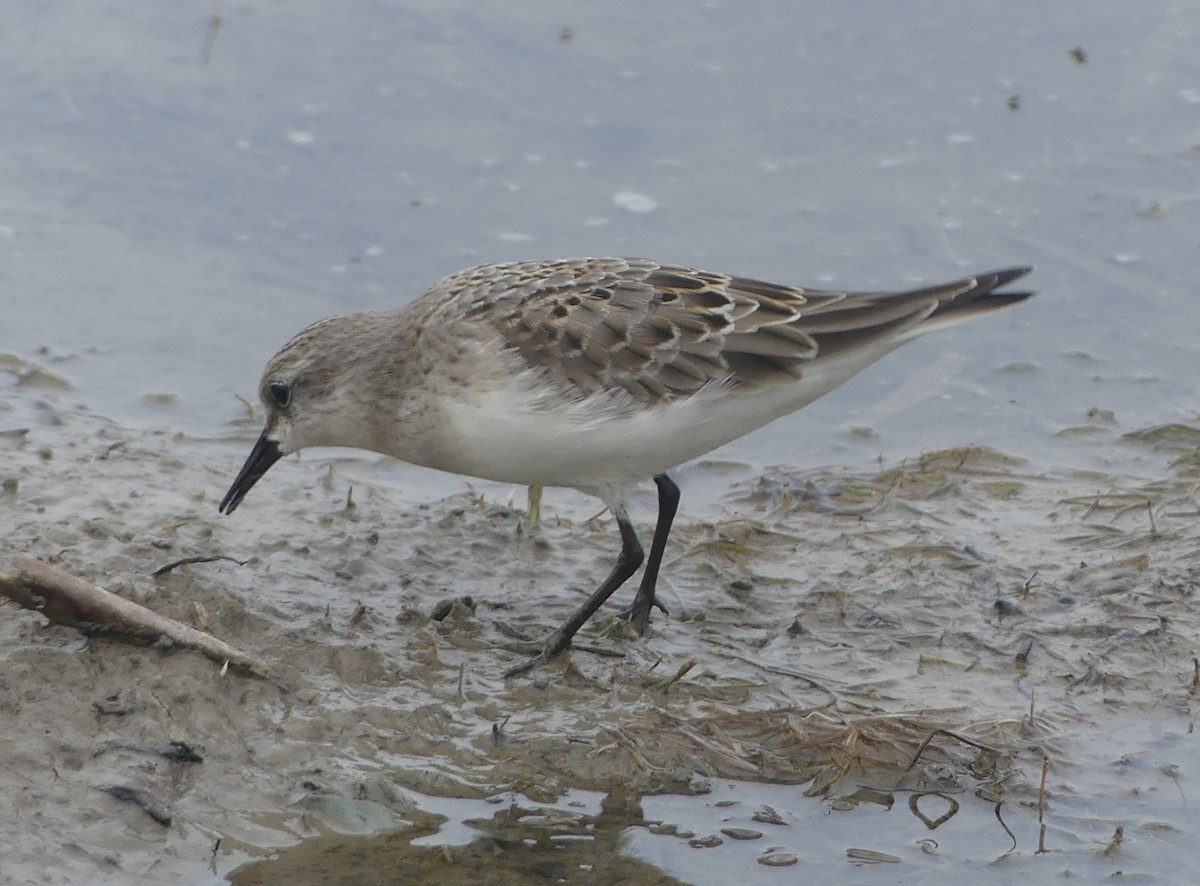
(963, 632)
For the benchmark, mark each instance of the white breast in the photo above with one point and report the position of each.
(512, 437)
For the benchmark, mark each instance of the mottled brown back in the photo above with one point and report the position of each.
(662, 332)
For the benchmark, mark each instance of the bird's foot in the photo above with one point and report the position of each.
(530, 663)
(541, 651)
(638, 612)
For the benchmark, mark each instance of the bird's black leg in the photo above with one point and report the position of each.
(644, 600)
(628, 562)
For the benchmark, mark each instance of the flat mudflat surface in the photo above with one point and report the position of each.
(820, 631)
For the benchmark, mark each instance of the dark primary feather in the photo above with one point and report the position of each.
(662, 332)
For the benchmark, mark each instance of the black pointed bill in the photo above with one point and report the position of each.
(264, 454)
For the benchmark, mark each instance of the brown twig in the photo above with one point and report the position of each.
(67, 600)
(186, 561)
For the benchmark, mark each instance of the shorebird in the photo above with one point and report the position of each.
(593, 373)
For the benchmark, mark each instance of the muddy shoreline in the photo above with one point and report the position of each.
(819, 634)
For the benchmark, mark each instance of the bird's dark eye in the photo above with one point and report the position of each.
(280, 393)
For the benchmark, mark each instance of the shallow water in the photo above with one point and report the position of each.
(182, 197)
(185, 196)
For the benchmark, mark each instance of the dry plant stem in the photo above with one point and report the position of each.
(1008, 831)
(834, 698)
(214, 25)
(975, 744)
(666, 684)
(186, 561)
(1029, 584)
(952, 808)
(71, 601)
(1115, 843)
(1042, 808)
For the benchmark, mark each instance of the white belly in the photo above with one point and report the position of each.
(508, 438)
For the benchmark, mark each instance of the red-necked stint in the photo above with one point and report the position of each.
(594, 373)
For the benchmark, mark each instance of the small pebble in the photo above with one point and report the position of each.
(1003, 607)
(778, 859)
(871, 856)
(457, 606)
(767, 815)
(741, 833)
(154, 807)
(663, 828)
(162, 399)
(706, 842)
(740, 589)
